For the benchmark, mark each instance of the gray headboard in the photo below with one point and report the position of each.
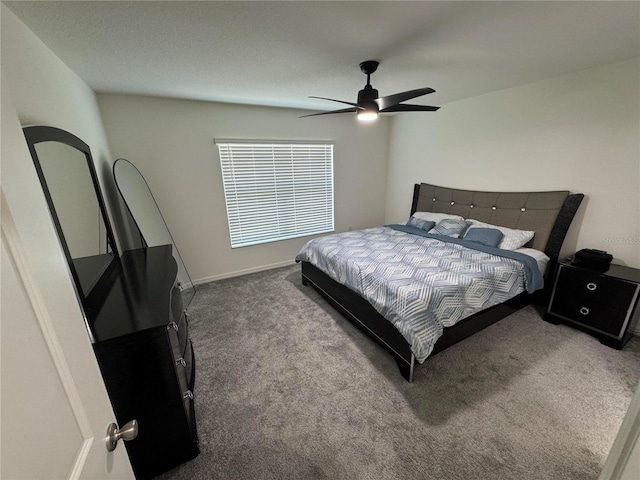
(549, 214)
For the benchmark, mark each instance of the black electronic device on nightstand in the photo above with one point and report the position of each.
(603, 303)
(593, 259)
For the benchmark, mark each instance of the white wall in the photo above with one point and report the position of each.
(578, 132)
(47, 92)
(172, 143)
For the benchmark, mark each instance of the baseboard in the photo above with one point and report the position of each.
(246, 271)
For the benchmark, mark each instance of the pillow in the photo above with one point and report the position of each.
(450, 227)
(436, 217)
(485, 236)
(512, 238)
(421, 224)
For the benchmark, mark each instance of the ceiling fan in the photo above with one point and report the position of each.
(369, 105)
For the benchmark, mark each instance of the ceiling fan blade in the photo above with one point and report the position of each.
(389, 100)
(344, 110)
(401, 107)
(340, 101)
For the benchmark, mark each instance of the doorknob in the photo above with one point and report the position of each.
(128, 432)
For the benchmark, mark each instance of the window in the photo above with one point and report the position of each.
(276, 190)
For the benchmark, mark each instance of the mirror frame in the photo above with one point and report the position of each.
(39, 134)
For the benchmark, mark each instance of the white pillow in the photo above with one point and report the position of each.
(436, 217)
(541, 257)
(512, 239)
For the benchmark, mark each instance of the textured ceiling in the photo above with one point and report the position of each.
(279, 53)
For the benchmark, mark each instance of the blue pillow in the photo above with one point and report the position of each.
(486, 236)
(421, 224)
(450, 227)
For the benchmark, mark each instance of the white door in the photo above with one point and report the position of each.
(54, 405)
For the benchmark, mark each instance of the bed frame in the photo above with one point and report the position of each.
(549, 214)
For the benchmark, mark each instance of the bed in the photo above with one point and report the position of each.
(350, 285)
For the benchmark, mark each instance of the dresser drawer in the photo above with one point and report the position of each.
(176, 302)
(183, 334)
(188, 395)
(181, 368)
(592, 314)
(595, 287)
(184, 369)
(189, 410)
(189, 366)
(179, 336)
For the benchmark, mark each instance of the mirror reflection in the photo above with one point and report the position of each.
(149, 220)
(72, 192)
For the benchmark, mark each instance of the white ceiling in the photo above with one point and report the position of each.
(279, 53)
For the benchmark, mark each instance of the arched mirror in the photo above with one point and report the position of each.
(146, 214)
(68, 177)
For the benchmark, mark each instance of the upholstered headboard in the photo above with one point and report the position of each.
(549, 214)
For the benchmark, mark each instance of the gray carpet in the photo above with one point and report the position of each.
(288, 389)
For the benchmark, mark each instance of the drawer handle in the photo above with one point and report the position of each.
(188, 394)
(592, 286)
(584, 311)
(173, 325)
(181, 362)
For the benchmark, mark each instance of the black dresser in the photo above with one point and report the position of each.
(141, 339)
(603, 303)
(133, 303)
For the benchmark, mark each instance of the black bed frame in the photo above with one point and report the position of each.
(358, 311)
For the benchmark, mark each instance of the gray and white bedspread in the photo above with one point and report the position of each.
(419, 282)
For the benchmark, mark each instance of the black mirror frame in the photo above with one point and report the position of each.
(38, 134)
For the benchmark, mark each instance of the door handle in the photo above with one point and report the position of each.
(128, 432)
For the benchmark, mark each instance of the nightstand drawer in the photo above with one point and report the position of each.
(594, 287)
(591, 314)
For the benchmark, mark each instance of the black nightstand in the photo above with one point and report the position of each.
(601, 303)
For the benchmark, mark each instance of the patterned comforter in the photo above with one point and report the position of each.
(419, 282)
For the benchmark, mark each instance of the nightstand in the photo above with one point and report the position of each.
(603, 303)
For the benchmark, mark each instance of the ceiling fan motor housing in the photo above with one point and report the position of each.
(367, 98)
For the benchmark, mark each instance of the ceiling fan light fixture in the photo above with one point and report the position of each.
(367, 115)
(369, 109)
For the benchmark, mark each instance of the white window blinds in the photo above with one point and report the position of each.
(276, 191)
